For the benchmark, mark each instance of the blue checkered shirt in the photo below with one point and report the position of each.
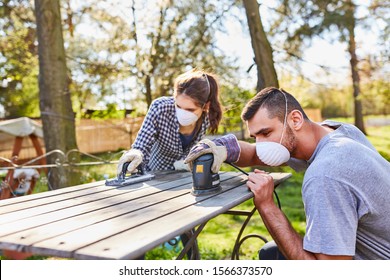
(159, 139)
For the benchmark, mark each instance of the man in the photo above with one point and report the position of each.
(346, 187)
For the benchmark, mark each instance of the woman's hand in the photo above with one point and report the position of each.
(133, 156)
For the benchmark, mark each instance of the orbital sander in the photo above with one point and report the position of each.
(204, 180)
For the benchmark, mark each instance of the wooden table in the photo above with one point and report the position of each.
(94, 221)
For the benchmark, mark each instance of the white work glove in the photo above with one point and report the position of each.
(207, 146)
(180, 165)
(133, 156)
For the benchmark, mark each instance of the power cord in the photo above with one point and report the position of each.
(246, 173)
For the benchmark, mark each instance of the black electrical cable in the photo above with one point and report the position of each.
(277, 199)
(246, 173)
(235, 166)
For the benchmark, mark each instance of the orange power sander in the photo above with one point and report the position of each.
(205, 182)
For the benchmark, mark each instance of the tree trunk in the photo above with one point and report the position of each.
(148, 88)
(358, 109)
(266, 74)
(55, 101)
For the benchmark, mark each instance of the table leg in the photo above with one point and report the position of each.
(192, 243)
(239, 240)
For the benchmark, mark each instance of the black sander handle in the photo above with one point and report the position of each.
(201, 172)
(205, 182)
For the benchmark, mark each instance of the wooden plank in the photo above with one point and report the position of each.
(28, 237)
(58, 220)
(126, 245)
(21, 202)
(65, 244)
(37, 196)
(37, 228)
(37, 207)
(280, 177)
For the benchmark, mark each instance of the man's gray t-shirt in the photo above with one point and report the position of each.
(346, 194)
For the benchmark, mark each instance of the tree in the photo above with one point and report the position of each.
(18, 60)
(303, 20)
(181, 36)
(55, 102)
(266, 73)
(350, 25)
(139, 47)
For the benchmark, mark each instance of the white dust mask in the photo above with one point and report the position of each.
(185, 117)
(272, 153)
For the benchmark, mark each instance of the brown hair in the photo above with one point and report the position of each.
(274, 101)
(201, 87)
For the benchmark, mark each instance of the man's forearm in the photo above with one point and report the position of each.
(289, 242)
(248, 155)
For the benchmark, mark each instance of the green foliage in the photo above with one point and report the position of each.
(233, 100)
(111, 112)
(300, 22)
(129, 56)
(376, 95)
(315, 18)
(337, 101)
(380, 138)
(334, 102)
(164, 252)
(18, 61)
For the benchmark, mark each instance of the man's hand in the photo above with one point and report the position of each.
(207, 146)
(262, 186)
(133, 156)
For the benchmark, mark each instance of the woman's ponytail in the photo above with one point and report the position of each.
(215, 109)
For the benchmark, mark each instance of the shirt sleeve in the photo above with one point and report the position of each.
(231, 143)
(148, 132)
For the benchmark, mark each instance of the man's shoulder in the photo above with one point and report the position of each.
(345, 131)
(343, 128)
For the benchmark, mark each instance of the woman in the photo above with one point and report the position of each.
(174, 124)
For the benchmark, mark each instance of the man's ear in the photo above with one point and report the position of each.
(296, 119)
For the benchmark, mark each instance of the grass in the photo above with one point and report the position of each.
(380, 138)
(217, 239)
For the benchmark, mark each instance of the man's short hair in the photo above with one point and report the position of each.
(274, 101)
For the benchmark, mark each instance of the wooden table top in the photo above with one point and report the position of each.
(94, 221)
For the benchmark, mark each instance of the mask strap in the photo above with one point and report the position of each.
(285, 119)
